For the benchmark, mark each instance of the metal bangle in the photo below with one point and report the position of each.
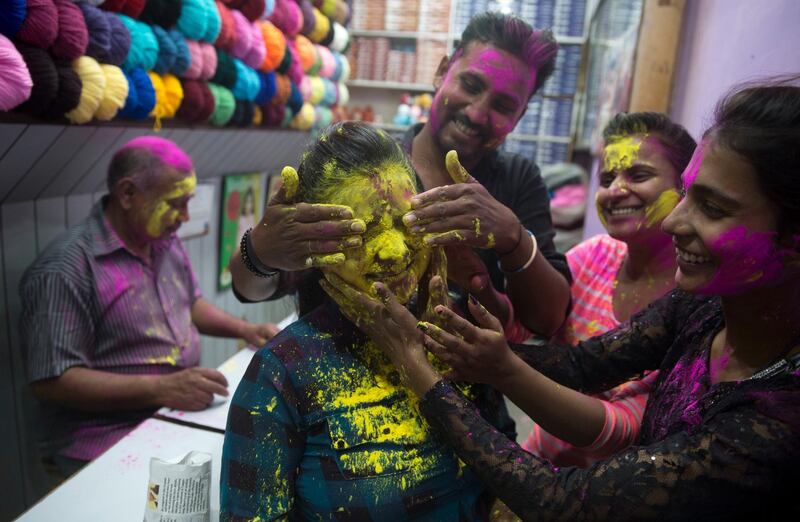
(527, 263)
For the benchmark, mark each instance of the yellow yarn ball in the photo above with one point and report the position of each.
(173, 94)
(321, 27)
(304, 119)
(159, 109)
(317, 90)
(94, 86)
(258, 116)
(115, 94)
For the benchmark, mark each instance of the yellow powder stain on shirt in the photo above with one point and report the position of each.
(171, 359)
(272, 403)
(661, 207)
(621, 152)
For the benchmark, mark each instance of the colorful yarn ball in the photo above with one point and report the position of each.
(43, 74)
(120, 40)
(99, 27)
(40, 26)
(317, 90)
(275, 43)
(167, 52)
(344, 75)
(266, 89)
(258, 116)
(342, 12)
(94, 85)
(327, 61)
(225, 74)
(164, 13)
(341, 38)
(247, 83)
(113, 5)
(115, 94)
(182, 55)
(144, 45)
(295, 101)
(321, 27)
(169, 95)
(198, 102)
(69, 92)
(323, 117)
(252, 9)
(258, 51)
(269, 7)
(307, 8)
(306, 52)
(193, 20)
(242, 43)
(344, 95)
(287, 17)
(12, 16)
(195, 68)
(337, 71)
(330, 93)
(15, 82)
(224, 105)
(242, 114)
(133, 8)
(305, 88)
(141, 95)
(303, 118)
(283, 89)
(213, 22)
(295, 71)
(227, 32)
(209, 61)
(272, 114)
(327, 7)
(73, 37)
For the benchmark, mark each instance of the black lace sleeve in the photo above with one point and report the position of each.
(739, 463)
(620, 355)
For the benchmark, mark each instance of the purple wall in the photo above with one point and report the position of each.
(726, 42)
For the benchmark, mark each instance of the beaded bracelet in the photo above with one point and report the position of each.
(527, 263)
(250, 260)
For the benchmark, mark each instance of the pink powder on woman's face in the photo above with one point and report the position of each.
(693, 168)
(168, 152)
(746, 259)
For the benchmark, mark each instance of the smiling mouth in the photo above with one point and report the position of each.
(690, 258)
(623, 211)
(383, 276)
(465, 127)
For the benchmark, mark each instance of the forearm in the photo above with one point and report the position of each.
(93, 390)
(565, 413)
(540, 294)
(210, 320)
(249, 285)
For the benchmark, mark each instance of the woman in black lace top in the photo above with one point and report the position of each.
(721, 433)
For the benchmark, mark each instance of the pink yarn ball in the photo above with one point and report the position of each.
(195, 69)
(258, 51)
(244, 34)
(209, 61)
(15, 82)
(73, 37)
(305, 88)
(40, 27)
(328, 61)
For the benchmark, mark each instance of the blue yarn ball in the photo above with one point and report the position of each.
(182, 56)
(213, 22)
(144, 45)
(331, 93)
(120, 40)
(337, 72)
(97, 23)
(295, 102)
(141, 95)
(267, 90)
(12, 14)
(269, 7)
(167, 52)
(193, 21)
(247, 83)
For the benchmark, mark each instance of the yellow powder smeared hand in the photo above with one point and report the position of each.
(291, 182)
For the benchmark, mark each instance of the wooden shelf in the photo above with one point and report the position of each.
(409, 35)
(398, 86)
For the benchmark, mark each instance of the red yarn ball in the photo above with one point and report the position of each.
(133, 8)
(40, 27)
(113, 5)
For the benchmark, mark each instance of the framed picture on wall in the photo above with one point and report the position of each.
(240, 209)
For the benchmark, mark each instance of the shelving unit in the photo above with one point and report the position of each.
(383, 56)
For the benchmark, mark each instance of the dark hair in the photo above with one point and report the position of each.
(679, 143)
(352, 148)
(761, 123)
(537, 48)
(137, 163)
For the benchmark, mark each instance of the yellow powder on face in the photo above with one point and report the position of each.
(600, 213)
(621, 153)
(163, 215)
(661, 207)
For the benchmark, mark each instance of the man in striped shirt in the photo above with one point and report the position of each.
(112, 310)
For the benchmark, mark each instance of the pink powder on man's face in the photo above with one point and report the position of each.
(693, 168)
(165, 150)
(746, 259)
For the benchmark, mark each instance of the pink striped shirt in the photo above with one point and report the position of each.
(594, 264)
